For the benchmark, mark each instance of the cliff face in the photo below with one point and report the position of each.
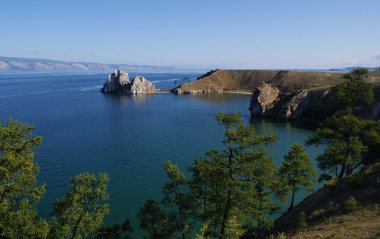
(249, 80)
(270, 101)
(264, 99)
(119, 83)
(306, 104)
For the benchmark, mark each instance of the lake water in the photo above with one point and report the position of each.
(129, 137)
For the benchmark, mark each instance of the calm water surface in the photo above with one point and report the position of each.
(129, 137)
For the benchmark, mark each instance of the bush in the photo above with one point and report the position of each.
(279, 235)
(317, 213)
(332, 183)
(351, 204)
(332, 208)
(354, 181)
(302, 221)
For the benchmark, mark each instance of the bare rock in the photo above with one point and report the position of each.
(115, 82)
(264, 99)
(139, 85)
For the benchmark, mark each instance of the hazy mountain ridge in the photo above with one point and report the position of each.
(35, 64)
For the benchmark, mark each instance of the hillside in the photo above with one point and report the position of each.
(248, 80)
(329, 213)
(33, 64)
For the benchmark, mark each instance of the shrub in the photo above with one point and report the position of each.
(332, 208)
(301, 220)
(317, 213)
(332, 183)
(351, 204)
(279, 235)
(354, 181)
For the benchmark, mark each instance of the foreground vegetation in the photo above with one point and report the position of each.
(230, 193)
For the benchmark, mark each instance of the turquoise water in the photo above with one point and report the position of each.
(128, 137)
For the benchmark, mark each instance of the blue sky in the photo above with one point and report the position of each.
(258, 34)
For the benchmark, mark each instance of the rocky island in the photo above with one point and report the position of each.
(118, 83)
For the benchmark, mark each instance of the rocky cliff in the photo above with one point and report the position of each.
(119, 83)
(270, 101)
(306, 104)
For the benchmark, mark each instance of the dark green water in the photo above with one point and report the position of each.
(128, 137)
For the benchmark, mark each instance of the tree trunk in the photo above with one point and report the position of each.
(75, 230)
(229, 194)
(341, 174)
(292, 203)
(225, 215)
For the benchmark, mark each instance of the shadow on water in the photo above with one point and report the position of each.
(218, 97)
(284, 123)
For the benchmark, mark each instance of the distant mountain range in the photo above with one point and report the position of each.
(34, 64)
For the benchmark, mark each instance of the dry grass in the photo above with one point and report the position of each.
(248, 80)
(362, 223)
(348, 208)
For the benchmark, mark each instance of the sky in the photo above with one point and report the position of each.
(241, 34)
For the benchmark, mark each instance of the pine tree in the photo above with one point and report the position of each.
(237, 183)
(297, 170)
(343, 136)
(80, 213)
(19, 192)
(155, 223)
(177, 198)
(116, 231)
(354, 93)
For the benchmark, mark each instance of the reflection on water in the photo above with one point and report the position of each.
(288, 124)
(123, 99)
(216, 97)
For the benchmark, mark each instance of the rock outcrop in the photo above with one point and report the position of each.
(269, 101)
(119, 83)
(264, 99)
(297, 104)
(139, 85)
(116, 82)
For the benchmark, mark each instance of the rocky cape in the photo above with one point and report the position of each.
(279, 94)
(118, 83)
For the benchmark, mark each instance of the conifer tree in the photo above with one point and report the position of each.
(354, 93)
(155, 223)
(80, 213)
(342, 135)
(235, 184)
(116, 231)
(19, 192)
(297, 170)
(176, 197)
